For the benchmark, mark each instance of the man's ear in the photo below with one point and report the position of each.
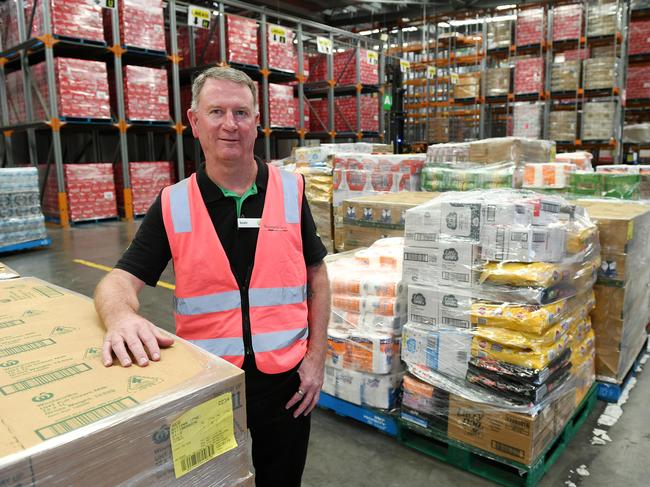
(191, 116)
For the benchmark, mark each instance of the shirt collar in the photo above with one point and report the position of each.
(211, 192)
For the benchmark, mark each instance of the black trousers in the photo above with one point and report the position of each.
(279, 440)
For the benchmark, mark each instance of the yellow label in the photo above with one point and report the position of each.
(630, 231)
(372, 57)
(454, 78)
(202, 433)
(200, 13)
(323, 45)
(431, 72)
(278, 34)
(404, 65)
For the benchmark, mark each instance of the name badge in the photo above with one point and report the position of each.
(248, 222)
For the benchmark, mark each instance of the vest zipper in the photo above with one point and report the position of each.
(245, 312)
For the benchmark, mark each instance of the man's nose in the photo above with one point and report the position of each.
(229, 121)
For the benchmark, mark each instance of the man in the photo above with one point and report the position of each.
(250, 282)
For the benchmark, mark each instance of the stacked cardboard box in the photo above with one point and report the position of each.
(563, 125)
(511, 149)
(79, 19)
(612, 184)
(639, 36)
(530, 26)
(602, 17)
(344, 68)
(468, 86)
(486, 328)
(281, 52)
(638, 82)
(281, 106)
(598, 120)
(600, 73)
(438, 130)
(368, 310)
(318, 189)
(182, 421)
(242, 40)
(565, 76)
(548, 175)
(529, 75)
(81, 88)
(147, 180)
(465, 177)
(90, 189)
(623, 287)
(497, 82)
(21, 219)
(145, 93)
(499, 34)
(142, 24)
(527, 120)
(345, 114)
(567, 22)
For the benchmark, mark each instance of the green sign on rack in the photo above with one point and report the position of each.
(388, 102)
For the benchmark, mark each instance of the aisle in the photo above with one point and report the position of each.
(343, 452)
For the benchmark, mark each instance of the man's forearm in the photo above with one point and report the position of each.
(116, 296)
(318, 301)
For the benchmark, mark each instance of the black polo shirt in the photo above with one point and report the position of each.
(149, 253)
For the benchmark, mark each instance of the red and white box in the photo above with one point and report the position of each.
(79, 19)
(530, 26)
(142, 24)
(241, 36)
(573, 55)
(529, 75)
(81, 89)
(638, 82)
(345, 114)
(318, 118)
(147, 180)
(639, 36)
(305, 113)
(567, 22)
(344, 67)
(146, 94)
(282, 111)
(281, 51)
(90, 189)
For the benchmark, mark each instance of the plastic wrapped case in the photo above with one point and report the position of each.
(21, 219)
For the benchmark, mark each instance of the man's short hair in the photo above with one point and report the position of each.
(222, 73)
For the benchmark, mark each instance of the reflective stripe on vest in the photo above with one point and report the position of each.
(263, 342)
(179, 202)
(274, 296)
(290, 190)
(211, 303)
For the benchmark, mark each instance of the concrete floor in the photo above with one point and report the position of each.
(342, 451)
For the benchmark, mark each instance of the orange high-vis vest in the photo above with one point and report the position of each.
(208, 299)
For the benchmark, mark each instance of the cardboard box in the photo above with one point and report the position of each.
(383, 210)
(7, 272)
(514, 436)
(511, 149)
(444, 307)
(68, 420)
(523, 243)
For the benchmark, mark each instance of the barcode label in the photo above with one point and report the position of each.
(416, 257)
(422, 237)
(426, 320)
(551, 207)
(48, 292)
(74, 422)
(500, 243)
(188, 462)
(26, 347)
(491, 213)
(519, 236)
(510, 450)
(461, 356)
(9, 323)
(539, 237)
(43, 379)
(455, 322)
(455, 276)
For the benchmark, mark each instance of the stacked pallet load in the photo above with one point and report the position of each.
(145, 94)
(530, 27)
(368, 311)
(563, 125)
(567, 22)
(613, 181)
(280, 50)
(498, 329)
(602, 17)
(367, 174)
(527, 120)
(142, 24)
(600, 73)
(638, 85)
(598, 120)
(639, 36)
(529, 75)
(147, 180)
(497, 81)
(75, 19)
(499, 34)
(345, 114)
(21, 219)
(90, 189)
(241, 39)
(344, 68)
(548, 176)
(565, 75)
(622, 290)
(467, 86)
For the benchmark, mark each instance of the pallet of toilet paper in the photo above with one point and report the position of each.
(368, 311)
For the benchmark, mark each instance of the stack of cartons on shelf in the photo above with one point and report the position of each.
(468, 86)
(497, 82)
(529, 75)
(345, 114)
(565, 75)
(280, 50)
(77, 19)
(602, 17)
(638, 82)
(147, 180)
(145, 94)
(623, 286)
(21, 219)
(598, 120)
(567, 22)
(344, 68)
(639, 42)
(142, 24)
(499, 34)
(563, 125)
(368, 310)
(90, 189)
(438, 129)
(241, 38)
(600, 73)
(281, 105)
(527, 120)
(530, 27)
(508, 344)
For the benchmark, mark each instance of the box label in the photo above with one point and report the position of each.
(323, 45)
(198, 17)
(203, 433)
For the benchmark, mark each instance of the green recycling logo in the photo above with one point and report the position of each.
(92, 352)
(140, 382)
(62, 330)
(43, 396)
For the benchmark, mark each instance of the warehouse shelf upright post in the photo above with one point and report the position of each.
(176, 88)
(7, 147)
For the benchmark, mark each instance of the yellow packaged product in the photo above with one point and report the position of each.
(581, 238)
(536, 319)
(539, 359)
(583, 351)
(525, 340)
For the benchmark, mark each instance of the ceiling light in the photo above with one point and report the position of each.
(506, 7)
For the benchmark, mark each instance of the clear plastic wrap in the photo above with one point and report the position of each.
(563, 125)
(565, 76)
(617, 184)
(581, 159)
(147, 180)
(598, 120)
(142, 24)
(281, 51)
(345, 114)
(511, 149)
(466, 176)
(530, 27)
(529, 75)
(638, 85)
(600, 73)
(116, 425)
(499, 34)
(638, 133)
(21, 219)
(639, 36)
(448, 153)
(242, 40)
(497, 81)
(145, 94)
(527, 120)
(567, 22)
(318, 188)
(602, 17)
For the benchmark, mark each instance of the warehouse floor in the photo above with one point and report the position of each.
(342, 451)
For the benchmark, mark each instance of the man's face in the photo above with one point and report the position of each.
(225, 121)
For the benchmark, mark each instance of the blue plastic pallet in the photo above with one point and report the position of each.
(383, 422)
(43, 242)
(609, 392)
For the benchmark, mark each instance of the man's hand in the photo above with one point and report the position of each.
(137, 335)
(311, 381)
